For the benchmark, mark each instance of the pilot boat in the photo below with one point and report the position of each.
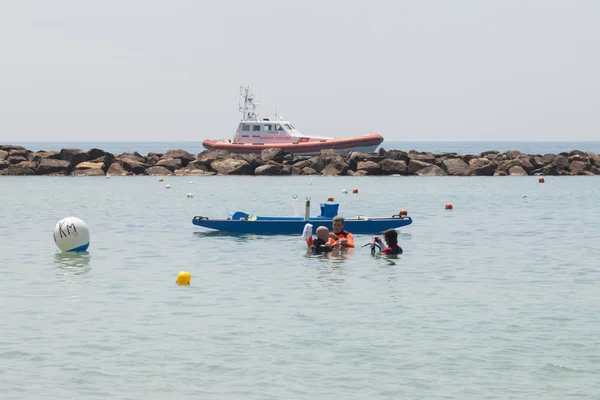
(255, 134)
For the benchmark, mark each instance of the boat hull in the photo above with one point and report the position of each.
(366, 144)
(295, 225)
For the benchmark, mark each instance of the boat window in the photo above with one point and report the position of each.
(267, 127)
(288, 126)
(278, 127)
(292, 126)
(245, 127)
(256, 128)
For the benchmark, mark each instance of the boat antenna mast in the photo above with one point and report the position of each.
(249, 108)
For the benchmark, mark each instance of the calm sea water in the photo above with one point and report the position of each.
(496, 299)
(434, 147)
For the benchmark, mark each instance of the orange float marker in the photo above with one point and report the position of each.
(448, 206)
(354, 190)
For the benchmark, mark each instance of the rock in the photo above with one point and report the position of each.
(183, 156)
(269, 169)
(482, 167)
(116, 169)
(51, 166)
(89, 165)
(578, 167)
(3, 155)
(231, 167)
(133, 166)
(97, 153)
(432, 170)
(361, 172)
(456, 166)
(19, 153)
(370, 167)
(4, 164)
(106, 160)
(517, 171)
(253, 159)
(397, 155)
(158, 170)
(308, 171)
(415, 165)
(88, 172)
(332, 170)
(593, 157)
(512, 154)
(424, 157)
(19, 170)
(357, 156)
(16, 159)
(10, 147)
(171, 163)
(40, 155)
(135, 156)
(276, 155)
(393, 167)
(193, 172)
(485, 154)
(74, 156)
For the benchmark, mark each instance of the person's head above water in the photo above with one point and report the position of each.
(391, 237)
(323, 233)
(338, 224)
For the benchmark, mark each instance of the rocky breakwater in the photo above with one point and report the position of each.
(17, 160)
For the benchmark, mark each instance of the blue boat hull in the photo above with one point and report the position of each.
(295, 225)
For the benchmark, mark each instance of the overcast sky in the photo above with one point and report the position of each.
(133, 70)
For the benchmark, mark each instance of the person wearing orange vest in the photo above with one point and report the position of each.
(340, 237)
(337, 237)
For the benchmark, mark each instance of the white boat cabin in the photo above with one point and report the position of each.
(253, 130)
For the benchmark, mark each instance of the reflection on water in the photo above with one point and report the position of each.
(72, 266)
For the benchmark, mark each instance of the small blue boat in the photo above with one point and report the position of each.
(241, 222)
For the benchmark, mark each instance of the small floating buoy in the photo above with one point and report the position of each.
(541, 179)
(345, 191)
(184, 278)
(403, 212)
(168, 186)
(309, 183)
(107, 176)
(189, 195)
(71, 234)
(161, 179)
(448, 206)
(354, 190)
(190, 182)
(523, 196)
(330, 199)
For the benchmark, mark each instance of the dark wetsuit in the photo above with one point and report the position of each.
(395, 249)
(320, 246)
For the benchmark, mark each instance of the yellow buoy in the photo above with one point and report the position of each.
(184, 278)
(161, 179)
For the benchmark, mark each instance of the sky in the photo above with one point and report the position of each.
(462, 70)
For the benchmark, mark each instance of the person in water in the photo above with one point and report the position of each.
(339, 236)
(320, 244)
(391, 240)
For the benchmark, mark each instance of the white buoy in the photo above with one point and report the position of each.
(191, 183)
(168, 186)
(71, 234)
(345, 191)
(189, 195)
(107, 176)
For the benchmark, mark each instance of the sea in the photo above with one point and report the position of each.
(497, 298)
